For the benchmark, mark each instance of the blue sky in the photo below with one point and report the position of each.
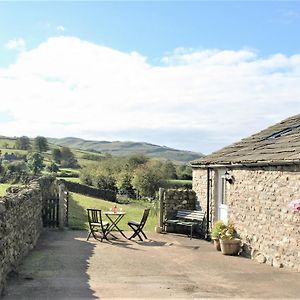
(192, 75)
(154, 28)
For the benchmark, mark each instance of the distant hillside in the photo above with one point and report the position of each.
(126, 148)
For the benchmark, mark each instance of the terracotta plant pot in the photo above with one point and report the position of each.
(217, 244)
(230, 247)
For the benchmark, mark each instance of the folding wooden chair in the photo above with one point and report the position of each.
(138, 227)
(97, 225)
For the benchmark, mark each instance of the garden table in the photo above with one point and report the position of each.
(115, 218)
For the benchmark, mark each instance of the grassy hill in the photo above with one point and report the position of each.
(85, 149)
(118, 148)
(7, 145)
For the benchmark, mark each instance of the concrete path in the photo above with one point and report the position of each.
(65, 266)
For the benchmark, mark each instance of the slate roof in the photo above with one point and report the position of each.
(276, 145)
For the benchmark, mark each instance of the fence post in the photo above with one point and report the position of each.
(161, 207)
(61, 206)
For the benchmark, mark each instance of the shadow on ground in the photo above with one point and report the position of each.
(56, 269)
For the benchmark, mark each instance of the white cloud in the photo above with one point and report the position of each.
(16, 44)
(60, 28)
(70, 87)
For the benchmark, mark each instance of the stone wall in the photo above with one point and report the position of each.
(20, 223)
(175, 199)
(258, 206)
(90, 191)
(200, 188)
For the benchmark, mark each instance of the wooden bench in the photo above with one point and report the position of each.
(187, 218)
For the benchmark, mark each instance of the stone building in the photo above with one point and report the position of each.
(251, 183)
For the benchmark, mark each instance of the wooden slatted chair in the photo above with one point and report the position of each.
(137, 227)
(97, 225)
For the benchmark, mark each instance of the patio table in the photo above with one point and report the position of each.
(115, 218)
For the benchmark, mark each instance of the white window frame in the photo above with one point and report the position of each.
(222, 207)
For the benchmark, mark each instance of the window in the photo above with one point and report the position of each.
(223, 190)
(282, 132)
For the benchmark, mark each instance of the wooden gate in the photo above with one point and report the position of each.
(50, 213)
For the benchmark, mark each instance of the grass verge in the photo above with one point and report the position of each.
(3, 187)
(79, 203)
(72, 179)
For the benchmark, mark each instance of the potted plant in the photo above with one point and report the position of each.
(229, 242)
(216, 232)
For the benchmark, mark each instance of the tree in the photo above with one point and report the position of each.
(168, 170)
(53, 168)
(40, 144)
(125, 186)
(56, 155)
(136, 160)
(23, 143)
(86, 175)
(35, 162)
(68, 159)
(105, 182)
(148, 179)
(184, 172)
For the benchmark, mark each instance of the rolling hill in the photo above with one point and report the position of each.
(118, 148)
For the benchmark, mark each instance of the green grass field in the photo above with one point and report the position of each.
(134, 211)
(72, 179)
(79, 203)
(179, 181)
(3, 187)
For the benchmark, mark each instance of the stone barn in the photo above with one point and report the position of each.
(251, 183)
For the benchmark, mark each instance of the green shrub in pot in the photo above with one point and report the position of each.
(218, 227)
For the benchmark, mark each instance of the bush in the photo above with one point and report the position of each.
(217, 229)
(148, 180)
(53, 168)
(105, 182)
(35, 162)
(125, 186)
(15, 172)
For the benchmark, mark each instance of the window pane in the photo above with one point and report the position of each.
(223, 187)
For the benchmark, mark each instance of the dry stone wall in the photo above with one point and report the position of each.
(90, 191)
(179, 199)
(175, 199)
(258, 206)
(20, 223)
(200, 186)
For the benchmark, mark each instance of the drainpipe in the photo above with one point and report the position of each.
(161, 207)
(207, 205)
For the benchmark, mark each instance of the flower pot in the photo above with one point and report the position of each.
(217, 244)
(230, 247)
